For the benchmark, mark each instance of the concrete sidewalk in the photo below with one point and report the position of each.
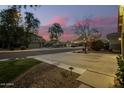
(9, 51)
(96, 79)
(95, 69)
(37, 49)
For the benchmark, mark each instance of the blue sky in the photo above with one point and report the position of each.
(74, 12)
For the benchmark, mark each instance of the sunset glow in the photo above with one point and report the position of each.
(103, 17)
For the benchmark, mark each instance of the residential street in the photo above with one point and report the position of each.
(25, 53)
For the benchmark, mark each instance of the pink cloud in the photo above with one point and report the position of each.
(57, 19)
(44, 35)
(68, 36)
(98, 21)
(104, 21)
(43, 31)
(106, 25)
(68, 33)
(107, 30)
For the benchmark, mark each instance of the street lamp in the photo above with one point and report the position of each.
(119, 38)
(18, 14)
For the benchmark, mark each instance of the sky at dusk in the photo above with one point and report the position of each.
(103, 17)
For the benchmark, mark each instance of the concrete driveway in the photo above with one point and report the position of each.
(95, 69)
(100, 62)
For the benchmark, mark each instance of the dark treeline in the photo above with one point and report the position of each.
(16, 29)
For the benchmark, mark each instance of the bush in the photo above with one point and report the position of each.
(23, 47)
(120, 70)
(50, 43)
(97, 45)
(11, 48)
(106, 46)
(54, 43)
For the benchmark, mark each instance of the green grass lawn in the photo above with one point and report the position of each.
(10, 69)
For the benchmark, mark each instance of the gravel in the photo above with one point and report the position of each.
(48, 76)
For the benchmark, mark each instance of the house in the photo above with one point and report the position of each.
(114, 42)
(36, 41)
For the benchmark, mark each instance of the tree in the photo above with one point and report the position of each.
(9, 22)
(15, 32)
(55, 31)
(120, 71)
(97, 45)
(87, 33)
(25, 6)
(31, 26)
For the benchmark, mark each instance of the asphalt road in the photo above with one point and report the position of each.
(12, 55)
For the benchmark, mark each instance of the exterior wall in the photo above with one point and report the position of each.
(114, 42)
(115, 45)
(35, 45)
(36, 42)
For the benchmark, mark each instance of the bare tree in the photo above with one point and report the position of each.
(87, 33)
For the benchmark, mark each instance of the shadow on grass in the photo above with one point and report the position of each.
(10, 69)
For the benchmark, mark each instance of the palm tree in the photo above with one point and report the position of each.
(55, 31)
(31, 26)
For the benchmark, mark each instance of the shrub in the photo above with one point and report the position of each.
(23, 47)
(97, 45)
(106, 46)
(11, 48)
(54, 43)
(50, 43)
(120, 70)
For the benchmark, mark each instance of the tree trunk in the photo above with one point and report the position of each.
(85, 48)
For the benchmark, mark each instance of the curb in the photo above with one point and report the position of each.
(4, 59)
(39, 49)
(14, 51)
(61, 65)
